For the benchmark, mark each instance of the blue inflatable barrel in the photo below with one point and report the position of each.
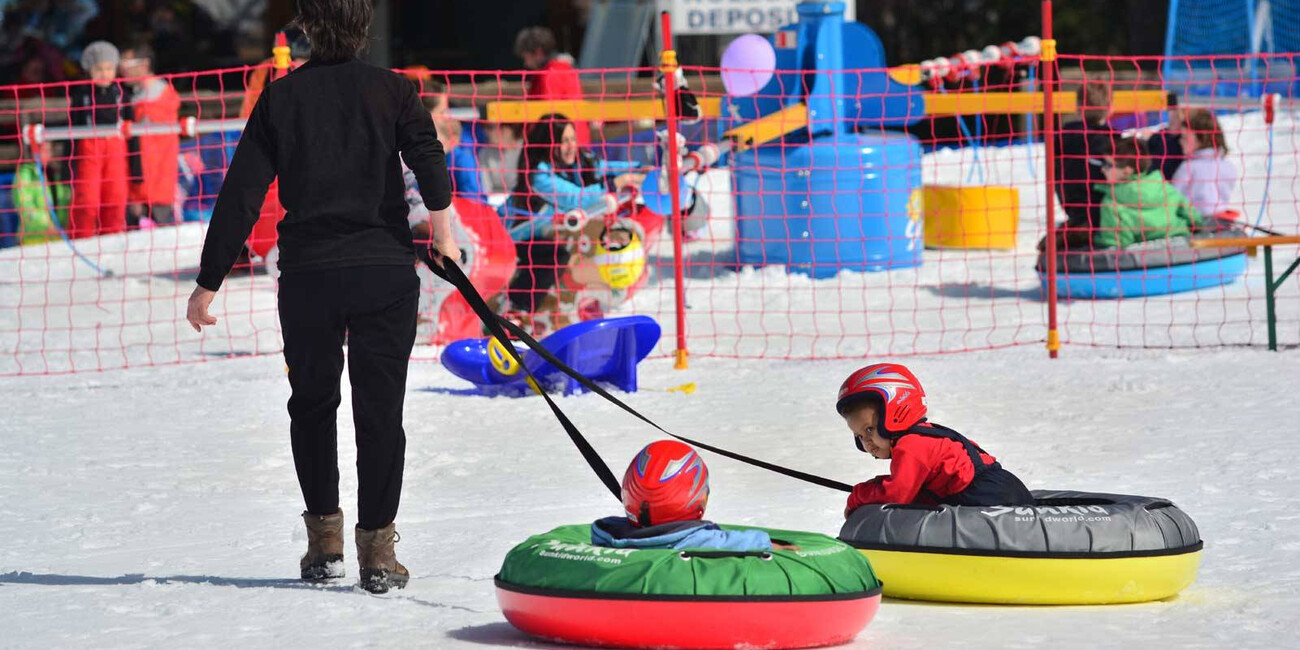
(847, 202)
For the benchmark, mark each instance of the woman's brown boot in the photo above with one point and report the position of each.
(380, 569)
(324, 558)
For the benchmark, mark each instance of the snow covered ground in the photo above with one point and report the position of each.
(158, 507)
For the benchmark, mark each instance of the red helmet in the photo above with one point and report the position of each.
(898, 389)
(666, 482)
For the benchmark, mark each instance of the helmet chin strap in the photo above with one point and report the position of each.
(643, 519)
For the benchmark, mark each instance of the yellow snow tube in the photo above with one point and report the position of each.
(1067, 548)
(1028, 580)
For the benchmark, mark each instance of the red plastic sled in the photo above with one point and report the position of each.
(490, 264)
(662, 622)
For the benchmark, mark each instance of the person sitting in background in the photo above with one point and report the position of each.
(461, 161)
(63, 21)
(26, 59)
(417, 216)
(33, 189)
(555, 76)
(1165, 146)
(1079, 148)
(1138, 204)
(154, 158)
(1207, 178)
(498, 161)
(99, 189)
(555, 175)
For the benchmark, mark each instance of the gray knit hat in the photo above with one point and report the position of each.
(99, 52)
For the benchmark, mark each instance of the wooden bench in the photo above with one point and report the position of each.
(1270, 287)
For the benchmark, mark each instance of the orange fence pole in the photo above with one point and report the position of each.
(1049, 143)
(668, 67)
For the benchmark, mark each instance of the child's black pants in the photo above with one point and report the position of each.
(993, 487)
(373, 309)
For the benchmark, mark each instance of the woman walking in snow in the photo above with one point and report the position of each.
(331, 131)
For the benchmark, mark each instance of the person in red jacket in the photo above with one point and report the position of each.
(884, 406)
(155, 167)
(556, 78)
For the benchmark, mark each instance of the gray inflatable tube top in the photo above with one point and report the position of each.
(1161, 253)
(1062, 524)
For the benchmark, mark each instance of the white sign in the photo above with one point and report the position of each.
(735, 16)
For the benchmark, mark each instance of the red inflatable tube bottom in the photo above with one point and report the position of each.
(688, 623)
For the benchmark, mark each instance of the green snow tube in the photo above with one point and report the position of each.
(558, 586)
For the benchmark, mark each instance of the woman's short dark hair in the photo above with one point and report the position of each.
(338, 29)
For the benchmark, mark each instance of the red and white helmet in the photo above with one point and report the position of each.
(666, 482)
(897, 388)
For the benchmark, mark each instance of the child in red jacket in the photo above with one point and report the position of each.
(884, 406)
(555, 77)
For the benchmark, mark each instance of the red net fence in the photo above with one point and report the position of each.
(841, 214)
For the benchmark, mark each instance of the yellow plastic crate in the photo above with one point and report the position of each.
(985, 216)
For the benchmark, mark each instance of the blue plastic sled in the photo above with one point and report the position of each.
(1148, 282)
(662, 202)
(605, 350)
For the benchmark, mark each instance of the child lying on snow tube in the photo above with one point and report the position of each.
(665, 491)
(884, 406)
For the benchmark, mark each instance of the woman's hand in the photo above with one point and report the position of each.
(623, 180)
(447, 249)
(444, 242)
(196, 312)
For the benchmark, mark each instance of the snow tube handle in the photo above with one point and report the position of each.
(912, 506)
(1156, 505)
(686, 555)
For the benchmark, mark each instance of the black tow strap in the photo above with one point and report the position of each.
(495, 323)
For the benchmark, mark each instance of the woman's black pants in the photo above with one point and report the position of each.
(372, 309)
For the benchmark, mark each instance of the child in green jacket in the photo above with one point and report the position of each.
(32, 194)
(1139, 204)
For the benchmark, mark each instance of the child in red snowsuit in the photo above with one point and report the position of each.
(99, 175)
(155, 166)
(884, 406)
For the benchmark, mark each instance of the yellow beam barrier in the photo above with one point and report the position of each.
(996, 103)
(768, 127)
(617, 110)
(1138, 101)
(795, 117)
